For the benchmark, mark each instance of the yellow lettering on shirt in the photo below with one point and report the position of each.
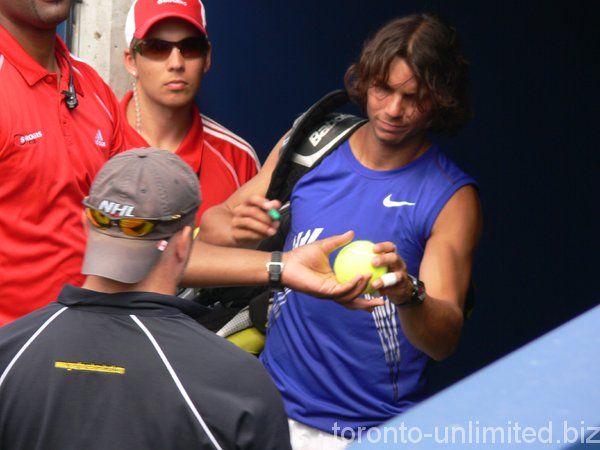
(89, 367)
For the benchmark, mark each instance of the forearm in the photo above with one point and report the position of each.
(305, 269)
(210, 265)
(215, 227)
(242, 220)
(434, 327)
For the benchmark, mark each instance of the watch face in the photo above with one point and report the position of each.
(420, 291)
(418, 295)
(275, 268)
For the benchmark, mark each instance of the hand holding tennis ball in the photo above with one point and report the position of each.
(355, 259)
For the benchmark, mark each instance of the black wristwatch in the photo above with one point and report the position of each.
(275, 269)
(418, 293)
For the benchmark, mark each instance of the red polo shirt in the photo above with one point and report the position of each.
(222, 160)
(49, 156)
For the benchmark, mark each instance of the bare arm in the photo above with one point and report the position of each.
(242, 220)
(435, 326)
(306, 269)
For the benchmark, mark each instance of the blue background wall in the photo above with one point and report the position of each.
(533, 143)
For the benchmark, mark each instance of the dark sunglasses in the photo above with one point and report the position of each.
(159, 50)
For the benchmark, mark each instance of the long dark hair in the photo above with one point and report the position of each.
(431, 48)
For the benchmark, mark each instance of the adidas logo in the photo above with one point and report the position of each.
(99, 140)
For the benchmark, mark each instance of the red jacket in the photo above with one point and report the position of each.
(222, 160)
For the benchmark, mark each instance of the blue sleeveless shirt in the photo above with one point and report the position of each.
(337, 367)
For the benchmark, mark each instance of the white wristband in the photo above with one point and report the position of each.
(389, 279)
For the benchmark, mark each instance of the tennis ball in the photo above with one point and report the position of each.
(355, 259)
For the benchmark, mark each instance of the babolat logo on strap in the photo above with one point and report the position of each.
(316, 136)
(116, 209)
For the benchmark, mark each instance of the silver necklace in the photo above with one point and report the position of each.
(138, 113)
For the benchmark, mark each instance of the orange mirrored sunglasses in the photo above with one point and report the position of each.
(131, 226)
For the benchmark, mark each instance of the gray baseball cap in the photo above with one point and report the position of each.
(143, 183)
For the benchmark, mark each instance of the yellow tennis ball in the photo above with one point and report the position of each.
(355, 259)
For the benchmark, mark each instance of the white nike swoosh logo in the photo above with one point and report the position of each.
(389, 203)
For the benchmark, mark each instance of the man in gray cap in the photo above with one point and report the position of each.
(121, 362)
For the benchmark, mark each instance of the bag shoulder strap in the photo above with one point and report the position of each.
(313, 136)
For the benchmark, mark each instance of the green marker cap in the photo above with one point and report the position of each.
(274, 214)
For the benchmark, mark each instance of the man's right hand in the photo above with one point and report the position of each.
(251, 222)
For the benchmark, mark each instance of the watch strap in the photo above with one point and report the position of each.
(275, 269)
(418, 293)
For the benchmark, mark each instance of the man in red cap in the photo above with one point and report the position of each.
(168, 54)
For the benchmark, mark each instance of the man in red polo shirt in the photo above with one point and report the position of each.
(60, 123)
(168, 54)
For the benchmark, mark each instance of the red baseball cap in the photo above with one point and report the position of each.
(145, 13)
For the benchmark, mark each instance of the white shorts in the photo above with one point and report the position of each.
(304, 437)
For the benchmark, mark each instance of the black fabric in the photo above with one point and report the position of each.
(225, 302)
(258, 309)
(93, 379)
(302, 129)
(218, 316)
